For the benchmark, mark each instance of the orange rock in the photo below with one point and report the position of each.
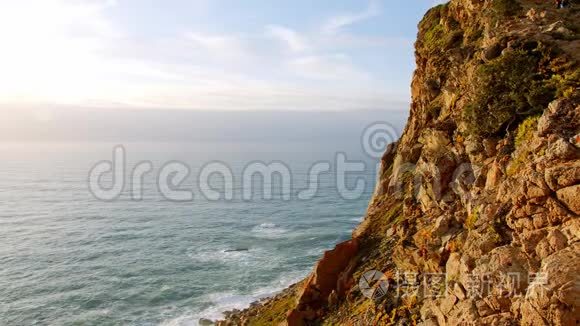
(332, 273)
(331, 265)
(295, 318)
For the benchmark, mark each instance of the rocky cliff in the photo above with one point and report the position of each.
(475, 215)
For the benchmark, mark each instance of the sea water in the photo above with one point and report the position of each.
(67, 258)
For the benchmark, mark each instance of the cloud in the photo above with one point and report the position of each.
(338, 22)
(216, 44)
(336, 67)
(224, 48)
(294, 41)
(72, 54)
(52, 52)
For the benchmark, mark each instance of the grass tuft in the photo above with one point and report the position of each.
(472, 219)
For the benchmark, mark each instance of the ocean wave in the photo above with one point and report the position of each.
(269, 231)
(224, 255)
(317, 252)
(226, 301)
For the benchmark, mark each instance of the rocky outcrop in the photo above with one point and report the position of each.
(483, 187)
(555, 299)
(331, 278)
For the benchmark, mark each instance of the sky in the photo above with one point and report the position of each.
(250, 55)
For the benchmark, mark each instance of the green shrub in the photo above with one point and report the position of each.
(434, 38)
(506, 8)
(394, 214)
(566, 84)
(433, 31)
(524, 134)
(526, 130)
(472, 218)
(505, 88)
(473, 34)
(494, 235)
(439, 31)
(517, 163)
(432, 17)
(502, 10)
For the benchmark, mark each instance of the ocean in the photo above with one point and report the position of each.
(68, 258)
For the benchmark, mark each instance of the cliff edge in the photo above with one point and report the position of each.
(474, 220)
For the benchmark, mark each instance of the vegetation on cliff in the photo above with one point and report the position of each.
(494, 188)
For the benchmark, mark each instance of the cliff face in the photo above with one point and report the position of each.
(482, 189)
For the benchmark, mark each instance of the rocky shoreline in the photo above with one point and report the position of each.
(264, 307)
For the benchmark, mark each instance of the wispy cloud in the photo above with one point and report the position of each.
(338, 67)
(291, 38)
(73, 54)
(340, 21)
(228, 47)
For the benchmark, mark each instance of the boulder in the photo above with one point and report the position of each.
(564, 175)
(331, 265)
(570, 197)
(483, 309)
(534, 186)
(295, 318)
(494, 176)
(447, 303)
(459, 291)
(554, 295)
(493, 51)
(562, 118)
(562, 150)
(205, 322)
(464, 313)
(557, 240)
(529, 239)
(441, 225)
(331, 276)
(452, 266)
(571, 231)
(501, 261)
(504, 318)
(558, 29)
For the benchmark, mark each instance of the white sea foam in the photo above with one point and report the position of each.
(222, 255)
(358, 219)
(269, 231)
(227, 301)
